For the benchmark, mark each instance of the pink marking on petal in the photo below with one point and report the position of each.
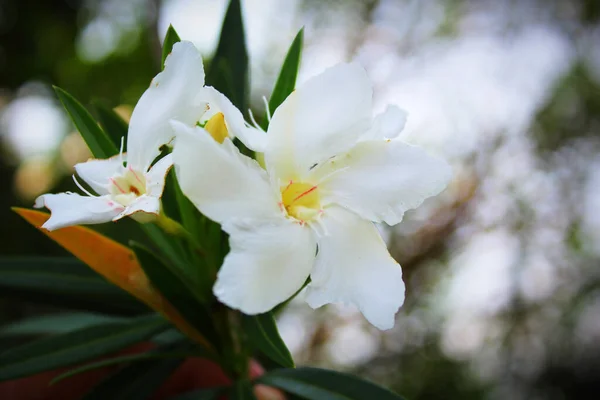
(118, 187)
(287, 187)
(135, 174)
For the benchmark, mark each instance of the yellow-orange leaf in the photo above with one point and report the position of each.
(117, 263)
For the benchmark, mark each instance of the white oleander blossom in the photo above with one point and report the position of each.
(331, 172)
(131, 184)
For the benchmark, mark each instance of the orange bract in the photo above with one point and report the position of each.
(117, 263)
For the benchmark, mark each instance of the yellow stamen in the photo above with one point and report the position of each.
(217, 128)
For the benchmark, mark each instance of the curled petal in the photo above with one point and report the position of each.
(70, 209)
(268, 262)
(387, 125)
(220, 181)
(353, 266)
(253, 138)
(96, 173)
(323, 117)
(143, 209)
(172, 94)
(155, 178)
(380, 180)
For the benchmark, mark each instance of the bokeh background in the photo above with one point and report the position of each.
(502, 274)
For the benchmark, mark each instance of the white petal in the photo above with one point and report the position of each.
(268, 262)
(321, 118)
(253, 138)
(143, 209)
(387, 125)
(155, 178)
(171, 94)
(221, 182)
(353, 266)
(97, 172)
(70, 209)
(380, 180)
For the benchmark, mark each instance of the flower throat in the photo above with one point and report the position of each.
(301, 200)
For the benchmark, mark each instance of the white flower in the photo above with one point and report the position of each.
(330, 171)
(134, 189)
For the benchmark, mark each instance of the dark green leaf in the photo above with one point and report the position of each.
(97, 140)
(139, 380)
(178, 207)
(178, 290)
(66, 282)
(242, 390)
(263, 334)
(170, 39)
(78, 346)
(113, 124)
(169, 246)
(56, 324)
(286, 82)
(169, 199)
(228, 70)
(150, 355)
(321, 384)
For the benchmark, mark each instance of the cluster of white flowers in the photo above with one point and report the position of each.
(330, 172)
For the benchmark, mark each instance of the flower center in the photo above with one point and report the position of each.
(301, 200)
(217, 128)
(127, 187)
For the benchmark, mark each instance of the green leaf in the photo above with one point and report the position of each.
(139, 380)
(113, 124)
(150, 355)
(97, 140)
(78, 346)
(56, 324)
(242, 390)
(286, 82)
(263, 334)
(169, 246)
(170, 39)
(178, 207)
(228, 70)
(177, 290)
(321, 384)
(66, 282)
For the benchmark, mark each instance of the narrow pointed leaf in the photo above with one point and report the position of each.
(286, 82)
(321, 384)
(263, 334)
(177, 206)
(176, 289)
(97, 140)
(170, 39)
(137, 381)
(78, 346)
(64, 282)
(112, 260)
(56, 324)
(228, 70)
(169, 246)
(114, 126)
(158, 354)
